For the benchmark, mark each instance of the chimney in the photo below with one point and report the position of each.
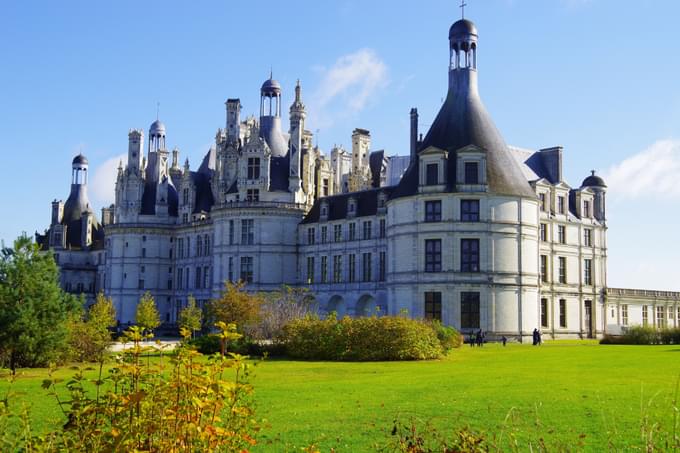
(414, 134)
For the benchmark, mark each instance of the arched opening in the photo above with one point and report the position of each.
(366, 306)
(336, 304)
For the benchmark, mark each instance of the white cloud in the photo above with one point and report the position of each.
(652, 173)
(102, 182)
(349, 85)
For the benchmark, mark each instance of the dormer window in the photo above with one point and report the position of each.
(541, 197)
(471, 173)
(324, 210)
(351, 207)
(432, 174)
(253, 168)
(586, 209)
(561, 205)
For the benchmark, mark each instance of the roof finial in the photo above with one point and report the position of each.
(271, 73)
(462, 8)
(158, 110)
(592, 172)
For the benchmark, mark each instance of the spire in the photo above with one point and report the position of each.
(297, 91)
(462, 9)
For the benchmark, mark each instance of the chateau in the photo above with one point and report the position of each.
(466, 229)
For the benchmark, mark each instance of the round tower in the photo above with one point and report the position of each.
(79, 170)
(599, 188)
(270, 117)
(156, 136)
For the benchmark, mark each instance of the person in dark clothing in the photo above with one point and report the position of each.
(472, 340)
(504, 340)
(535, 335)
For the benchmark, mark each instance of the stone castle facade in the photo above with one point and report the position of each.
(465, 229)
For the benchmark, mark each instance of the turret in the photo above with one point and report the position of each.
(599, 188)
(135, 150)
(270, 117)
(297, 127)
(233, 120)
(360, 178)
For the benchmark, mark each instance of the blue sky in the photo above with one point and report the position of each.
(599, 77)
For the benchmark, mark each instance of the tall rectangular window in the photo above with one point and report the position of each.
(199, 245)
(180, 248)
(561, 205)
(624, 315)
(325, 187)
(368, 227)
(253, 168)
(311, 236)
(231, 269)
(433, 255)
(352, 232)
(588, 272)
(544, 268)
(469, 255)
(469, 210)
(324, 234)
(337, 268)
(197, 278)
(324, 269)
(588, 237)
(660, 316)
(381, 267)
(544, 232)
(247, 231)
(310, 270)
(433, 305)
(562, 269)
(544, 312)
(337, 233)
(432, 174)
(586, 209)
(541, 201)
(471, 173)
(433, 211)
(247, 269)
(382, 228)
(180, 278)
(206, 277)
(206, 245)
(252, 195)
(645, 315)
(351, 276)
(563, 313)
(469, 310)
(140, 284)
(367, 268)
(231, 232)
(561, 234)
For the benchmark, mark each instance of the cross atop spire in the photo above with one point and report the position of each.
(462, 8)
(158, 110)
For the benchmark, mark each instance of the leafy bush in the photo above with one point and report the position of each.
(235, 305)
(187, 404)
(89, 336)
(361, 339)
(210, 344)
(449, 337)
(644, 335)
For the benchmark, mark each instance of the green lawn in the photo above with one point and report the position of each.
(560, 391)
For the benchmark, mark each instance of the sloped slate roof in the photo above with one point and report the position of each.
(367, 205)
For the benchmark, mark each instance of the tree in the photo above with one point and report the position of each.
(34, 311)
(191, 316)
(236, 306)
(281, 307)
(147, 316)
(89, 335)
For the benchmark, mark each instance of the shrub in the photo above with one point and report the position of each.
(644, 335)
(278, 309)
(449, 337)
(361, 339)
(210, 344)
(89, 336)
(235, 305)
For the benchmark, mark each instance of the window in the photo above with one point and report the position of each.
(367, 268)
(143, 238)
(231, 268)
(586, 208)
(311, 236)
(433, 305)
(253, 195)
(588, 237)
(432, 174)
(206, 245)
(143, 253)
(469, 310)
(231, 232)
(352, 207)
(185, 218)
(253, 168)
(199, 245)
(624, 315)
(563, 269)
(368, 226)
(645, 315)
(206, 277)
(247, 269)
(561, 234)
(433, 211)
(544, 268)
(169, 284)
(541, 198)
(324, 269)
(337, 233)
(560, 205)
(382, 228)
(185, 196)
(660, 316)
(469, 210)
(588, 272)
(433, 255)
(352, 231)
(351, 277)
(188, 247)
(310, 270)
(670, 313)
(469, 257)
(544, 232)
(324, 234)
(142, 269)
(563, 313)
(140, 284)
(197, 278)
(247, 231)
(326, 188)
(544, 312)
(381, 267)
(337, 269)
(471, 173)
(179, 278)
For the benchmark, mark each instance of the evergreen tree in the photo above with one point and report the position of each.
(34, 311)
(147, 316)
(191, 316)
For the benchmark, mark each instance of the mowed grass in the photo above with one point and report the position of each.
(568, 393)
